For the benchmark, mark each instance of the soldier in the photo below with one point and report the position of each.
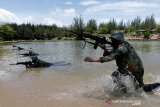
(39, 63)
(127, 60)
(18, 48)
(30, 53)
(35, 63)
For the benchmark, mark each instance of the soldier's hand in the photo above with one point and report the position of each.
(88, 59)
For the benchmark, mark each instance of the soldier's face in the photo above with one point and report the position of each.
(115, 43)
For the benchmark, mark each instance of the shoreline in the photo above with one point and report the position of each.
(153, 37)
(130, 38)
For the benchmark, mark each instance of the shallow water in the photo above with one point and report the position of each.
(79, 84)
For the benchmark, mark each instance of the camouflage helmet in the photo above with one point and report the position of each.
(117, 35)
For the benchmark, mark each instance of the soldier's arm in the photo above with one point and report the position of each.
(101, 59)
(120, 51)
(113, 54)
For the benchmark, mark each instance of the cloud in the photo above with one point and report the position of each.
(50, 21)
(100, 11)
(7, 16)
(64, 12)
(27, 19)
(69, 3)
(126, 10)
(63, 16)
(126, 6)
(89, 2)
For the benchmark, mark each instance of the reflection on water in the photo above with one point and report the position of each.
(2, 51)
(147, 47)
(144, 47)
(76, 81)
(71, 51)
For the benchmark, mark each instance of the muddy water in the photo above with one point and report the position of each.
(79, 84)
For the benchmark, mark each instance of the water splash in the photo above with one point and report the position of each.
(104, 87)
(156, 78)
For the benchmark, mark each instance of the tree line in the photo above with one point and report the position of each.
(13, 31)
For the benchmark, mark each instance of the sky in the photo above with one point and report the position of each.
(62, 12)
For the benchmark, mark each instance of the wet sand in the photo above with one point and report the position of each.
(32, 90)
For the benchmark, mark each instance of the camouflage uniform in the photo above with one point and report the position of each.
(38, 63)
(127, 60)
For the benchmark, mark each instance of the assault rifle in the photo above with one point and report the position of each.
(27, 63)
(99, 40)
(30, 53)
(30, 64)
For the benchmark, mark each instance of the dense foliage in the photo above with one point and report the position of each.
(29, 31)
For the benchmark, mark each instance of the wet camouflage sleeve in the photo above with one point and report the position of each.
(111, 55)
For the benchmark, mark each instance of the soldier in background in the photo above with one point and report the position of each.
(36, 62)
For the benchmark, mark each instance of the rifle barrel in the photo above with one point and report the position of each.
(12, 64)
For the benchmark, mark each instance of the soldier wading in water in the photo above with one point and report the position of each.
(127, 60)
